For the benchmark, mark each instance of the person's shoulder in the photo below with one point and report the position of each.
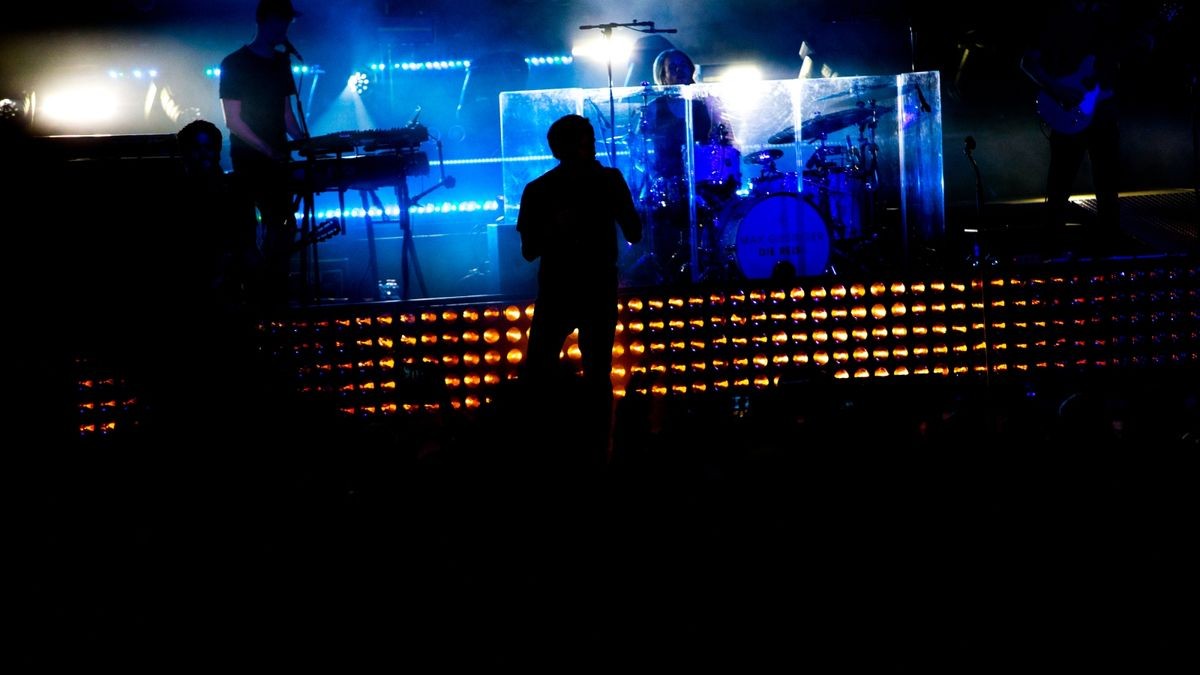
(235, 56)
(238, 53)
(542, 181)
(610, 171)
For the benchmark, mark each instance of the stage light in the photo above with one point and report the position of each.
(729, 72)
(615, 49)
(80, 105)
(359, 82)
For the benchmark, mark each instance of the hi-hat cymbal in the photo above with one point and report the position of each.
(763, 157)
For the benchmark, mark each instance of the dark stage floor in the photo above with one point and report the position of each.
(884, 527)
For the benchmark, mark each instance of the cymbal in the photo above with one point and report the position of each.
(644, 94)
(829, 123)
(783, 136)
(859, 92)
(826, 124)
(636, 97)
(763, 157)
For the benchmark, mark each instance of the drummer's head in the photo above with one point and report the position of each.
(572, 138)
(674, 67)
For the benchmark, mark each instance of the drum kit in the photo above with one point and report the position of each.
(787, 224)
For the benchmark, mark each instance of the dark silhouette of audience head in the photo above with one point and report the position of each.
(200, 147)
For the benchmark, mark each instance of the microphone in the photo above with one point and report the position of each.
(970, 144)
(289, 48)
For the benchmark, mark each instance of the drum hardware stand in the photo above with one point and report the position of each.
(868, 153)
(977, 258)
(649, 259)
(824, 203)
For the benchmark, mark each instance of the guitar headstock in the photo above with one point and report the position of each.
(326, 230)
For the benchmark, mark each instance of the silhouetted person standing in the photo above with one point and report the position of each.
(221, 220)
(569, 219)
(258, 98)
(1076, 62)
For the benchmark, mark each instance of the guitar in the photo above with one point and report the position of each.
(323, 230)
(1072, 119)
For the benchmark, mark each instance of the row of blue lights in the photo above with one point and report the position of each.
(417, 66)
(136, 73)
(549, 60)
(426, 209)
(422, 65)
(216, 72)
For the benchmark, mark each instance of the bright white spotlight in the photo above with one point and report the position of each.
(600, 49)
(733, 72)
(80, 106)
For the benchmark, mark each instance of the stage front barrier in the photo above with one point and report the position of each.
(784, 178)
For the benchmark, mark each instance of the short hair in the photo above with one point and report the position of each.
(566, 133)
(664, 57)
(190, 134)
(279, 9)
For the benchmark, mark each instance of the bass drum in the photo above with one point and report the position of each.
(766, 235)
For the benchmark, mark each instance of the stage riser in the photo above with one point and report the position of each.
(397, 359)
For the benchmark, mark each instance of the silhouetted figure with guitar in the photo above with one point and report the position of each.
(1076, 64)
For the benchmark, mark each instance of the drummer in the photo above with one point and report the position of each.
(667, 132)
(665, 115)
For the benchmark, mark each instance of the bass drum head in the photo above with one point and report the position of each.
(775, 231)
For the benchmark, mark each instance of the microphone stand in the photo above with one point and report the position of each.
(408, 252)
(969, 150)
(606, 29)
